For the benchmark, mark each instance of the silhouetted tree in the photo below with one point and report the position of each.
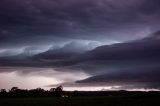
(40, 90)
(52, 90)
(14, 89)
(59, 89)
(3, 90)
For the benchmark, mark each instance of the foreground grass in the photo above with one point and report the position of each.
(81, 101)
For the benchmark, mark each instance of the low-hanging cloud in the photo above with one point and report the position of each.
(75, 32)
(126, 64)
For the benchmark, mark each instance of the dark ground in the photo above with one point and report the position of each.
(79, 98)
(82, 101)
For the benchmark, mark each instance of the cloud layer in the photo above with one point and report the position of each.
(128, 65)
(116, 43)
(43, 22)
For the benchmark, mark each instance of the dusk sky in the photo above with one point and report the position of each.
(80, 44)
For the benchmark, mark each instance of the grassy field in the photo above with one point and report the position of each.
(81, 101)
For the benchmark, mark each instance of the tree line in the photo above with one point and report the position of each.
(59, 92)
(39, 92)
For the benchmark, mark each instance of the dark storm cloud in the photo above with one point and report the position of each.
(124, 79)
(31, 24)
(134, 64)
(137, 51)
(66, 52)
(55, 56)
(25, 21)
(144, 78)
(109, 58)
(128, 65)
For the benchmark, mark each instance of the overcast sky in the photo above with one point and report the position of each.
(105, 43)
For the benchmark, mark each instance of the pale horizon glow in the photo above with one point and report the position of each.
(40, 77)
(24, 82)
(12, 79)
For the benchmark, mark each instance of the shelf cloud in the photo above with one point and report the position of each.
(112, 43)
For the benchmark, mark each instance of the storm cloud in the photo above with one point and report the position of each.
(124, 64)
(133, 64)
(43, 22)
(112, 42)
